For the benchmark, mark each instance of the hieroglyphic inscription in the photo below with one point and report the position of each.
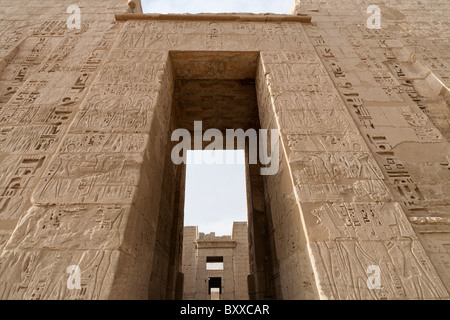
(89, 178)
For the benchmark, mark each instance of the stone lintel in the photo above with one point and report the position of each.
(215, 244)
(241, 17)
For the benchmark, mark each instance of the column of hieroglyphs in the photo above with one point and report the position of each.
(234, 252)
(348, 212)
(77, 148)
(393, 81)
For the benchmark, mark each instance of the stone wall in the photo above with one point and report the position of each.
(86, 117)
(190, 267)
(234, 251)
(395, 84)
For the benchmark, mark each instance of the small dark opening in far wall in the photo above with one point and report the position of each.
(215, 283)
(214, 259)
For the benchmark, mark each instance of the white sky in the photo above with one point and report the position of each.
(215, 194)
(216, 6)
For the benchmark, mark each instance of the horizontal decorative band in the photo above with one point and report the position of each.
(245, 17)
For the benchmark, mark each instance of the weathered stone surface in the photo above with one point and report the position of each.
(39, 274)
(401, 261)
(86, 176)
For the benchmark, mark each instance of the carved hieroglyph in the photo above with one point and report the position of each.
(85, 122)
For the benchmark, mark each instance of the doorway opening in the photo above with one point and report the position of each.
(217, 89)
(215, 192)
(215, 243)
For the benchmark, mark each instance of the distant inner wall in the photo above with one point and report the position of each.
(232, 251)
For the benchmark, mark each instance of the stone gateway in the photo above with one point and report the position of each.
(91, 204)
